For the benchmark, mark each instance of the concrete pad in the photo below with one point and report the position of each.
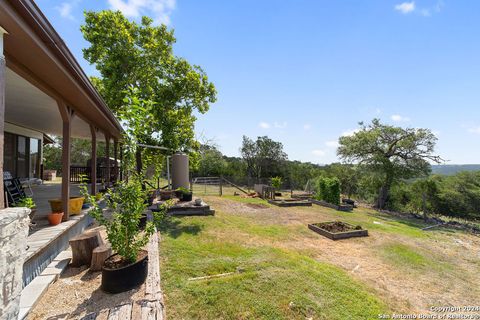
(35, 289)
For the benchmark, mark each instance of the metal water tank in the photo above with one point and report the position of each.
(180, 171)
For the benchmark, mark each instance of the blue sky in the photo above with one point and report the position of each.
(305, 72)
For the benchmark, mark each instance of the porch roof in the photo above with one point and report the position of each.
(35, 52)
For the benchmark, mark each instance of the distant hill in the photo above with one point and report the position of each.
(450, 169)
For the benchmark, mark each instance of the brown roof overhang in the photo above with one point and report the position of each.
(34, 50)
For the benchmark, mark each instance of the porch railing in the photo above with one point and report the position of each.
(79, 174)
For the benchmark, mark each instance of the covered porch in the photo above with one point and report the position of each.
(46, 92)
(43, 91)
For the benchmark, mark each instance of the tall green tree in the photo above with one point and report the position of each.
(152, 91)
(394, 152)
(263, 157)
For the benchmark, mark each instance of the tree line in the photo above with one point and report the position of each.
(386, 166)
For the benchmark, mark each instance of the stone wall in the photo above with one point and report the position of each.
(13, 243)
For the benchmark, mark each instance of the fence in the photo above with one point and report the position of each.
(215, 186)
(78, 174)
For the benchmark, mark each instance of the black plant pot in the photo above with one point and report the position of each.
(178, 194)
(125, 278)
(187, 197)
(142, 222)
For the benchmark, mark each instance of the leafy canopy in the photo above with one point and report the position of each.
(263, 157)
(394, 152)
(150, 89)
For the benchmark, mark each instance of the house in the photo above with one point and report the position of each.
(43, 90)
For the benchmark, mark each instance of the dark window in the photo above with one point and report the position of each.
(22, 157)
(9, 153)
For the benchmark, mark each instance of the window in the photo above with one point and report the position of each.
(9, 153)
(21, 156)
(34, 158)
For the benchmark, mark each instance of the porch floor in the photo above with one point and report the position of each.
(44, 241)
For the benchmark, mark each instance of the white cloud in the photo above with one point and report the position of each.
(332, 144)
(405, 7)
(318, 153)
(475, 130)
(65, 9)
(307, 127)
(349, 132)
(409, 7)
(264, 125)
(159, 10)
(280, 125)
(399, 118)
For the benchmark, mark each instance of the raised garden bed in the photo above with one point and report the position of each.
(186, 208)
(290, 203)
(337, 230)
(342, 207)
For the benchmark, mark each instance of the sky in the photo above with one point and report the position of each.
(305, 72)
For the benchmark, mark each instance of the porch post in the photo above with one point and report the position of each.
(107, 154)
(115, 155)
(93, 162)
(67, 117)
(2, 114)
(121, 162)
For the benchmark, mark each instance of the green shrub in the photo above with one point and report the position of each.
(276, 182)
(127, 203)
(328, 189)
(26, 202)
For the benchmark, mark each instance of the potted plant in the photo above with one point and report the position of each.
(178, 193)
(55, 218)
(186, 194)
(128, 267)
(28, 202)
(276, 183)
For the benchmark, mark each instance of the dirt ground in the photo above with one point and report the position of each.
(406, 289)
(77, 293)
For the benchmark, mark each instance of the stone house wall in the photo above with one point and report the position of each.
(14, 224)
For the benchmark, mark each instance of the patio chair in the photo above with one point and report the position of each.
(13, 188)
(14, 193)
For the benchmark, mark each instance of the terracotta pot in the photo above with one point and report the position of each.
(55, 218)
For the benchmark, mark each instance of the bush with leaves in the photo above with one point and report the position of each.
(26, 202)
(328, 189)
(127, 204)
(276, 182)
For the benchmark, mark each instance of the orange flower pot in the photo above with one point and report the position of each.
(55, 218)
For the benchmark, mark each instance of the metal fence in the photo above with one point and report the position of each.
(78, 174)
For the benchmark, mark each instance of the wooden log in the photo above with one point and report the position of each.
(99, 255)
(82, 248)
(122, 312)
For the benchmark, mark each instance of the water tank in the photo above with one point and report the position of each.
(180, 171)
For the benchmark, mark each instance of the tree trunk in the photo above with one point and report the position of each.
(424, 207)
(99, 255)
(138, 159)
(384, 193)
(82, 247)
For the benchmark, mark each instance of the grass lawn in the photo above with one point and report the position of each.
(282, 270)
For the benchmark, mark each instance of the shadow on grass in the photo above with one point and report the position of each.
(408, 221)
(174, 228)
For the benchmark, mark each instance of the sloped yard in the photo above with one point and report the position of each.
(273, 267)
